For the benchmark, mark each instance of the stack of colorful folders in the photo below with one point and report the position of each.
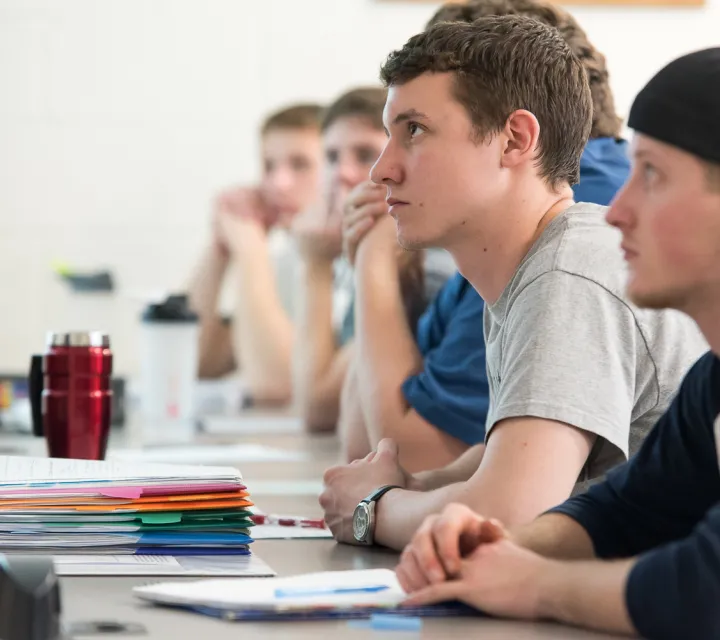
(77, 506)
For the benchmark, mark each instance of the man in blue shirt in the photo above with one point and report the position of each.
(640, 552)
(437, 400)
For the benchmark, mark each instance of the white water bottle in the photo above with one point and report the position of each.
(169, 362)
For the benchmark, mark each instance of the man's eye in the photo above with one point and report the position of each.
(649, 173)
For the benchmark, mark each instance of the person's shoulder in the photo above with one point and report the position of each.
(453, 289)
(578, 242)
(605, 153)
(698, 399)
(583, 225)
(457, 292)
(703, 378)
(588, 247)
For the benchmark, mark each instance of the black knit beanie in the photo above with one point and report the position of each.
(681, 105)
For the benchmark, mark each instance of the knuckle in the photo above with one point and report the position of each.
(456, 509)
(443, 525)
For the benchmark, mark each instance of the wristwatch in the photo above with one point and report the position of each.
(364, 515)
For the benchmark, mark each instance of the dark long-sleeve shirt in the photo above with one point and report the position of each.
(664, 507)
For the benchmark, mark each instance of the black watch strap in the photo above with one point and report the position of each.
(379, 493)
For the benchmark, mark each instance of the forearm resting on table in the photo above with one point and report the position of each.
(318, 372)
(206, 282)
(263, 334)
(386, 348)
(460, 470)
(354, 442)
(588, 594)
(215, 351)
(400, 512)
(555, 535)
(422, 446)
(516, 481)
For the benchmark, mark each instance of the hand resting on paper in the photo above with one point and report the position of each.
(460, 555)
(347, 485)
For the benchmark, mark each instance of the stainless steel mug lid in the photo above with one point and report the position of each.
(78, 339)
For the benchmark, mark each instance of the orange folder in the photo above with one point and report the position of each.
(133, 506)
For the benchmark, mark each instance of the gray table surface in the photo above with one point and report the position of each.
(108, 598)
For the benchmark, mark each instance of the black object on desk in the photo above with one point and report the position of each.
(105, 627)
(29, 598)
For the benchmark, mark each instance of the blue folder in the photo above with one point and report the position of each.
(191, 539)
(443, 610)
(190, 551)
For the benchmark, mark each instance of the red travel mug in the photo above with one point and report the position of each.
(71, 394)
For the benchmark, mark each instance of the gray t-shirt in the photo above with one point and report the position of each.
(564, 343)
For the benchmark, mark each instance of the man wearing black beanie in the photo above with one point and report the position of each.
(640, 552)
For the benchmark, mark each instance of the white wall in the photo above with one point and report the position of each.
(120, 118)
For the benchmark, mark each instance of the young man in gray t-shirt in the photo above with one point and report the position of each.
(487, 122)
(564, 343)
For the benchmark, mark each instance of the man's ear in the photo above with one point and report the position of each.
(522, 132)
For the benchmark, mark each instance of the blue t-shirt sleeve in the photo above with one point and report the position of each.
(451, 392)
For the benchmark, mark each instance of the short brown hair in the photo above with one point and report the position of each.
(298, 116)
(364, 102)
(606, 123)
(502, 64)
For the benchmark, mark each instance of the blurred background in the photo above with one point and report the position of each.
(120, 120)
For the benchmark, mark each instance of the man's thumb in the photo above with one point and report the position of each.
(387, 447)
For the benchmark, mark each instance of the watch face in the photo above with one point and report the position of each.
(361, 522)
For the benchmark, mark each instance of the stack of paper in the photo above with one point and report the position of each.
(63, 506)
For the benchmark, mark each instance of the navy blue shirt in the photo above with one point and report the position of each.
(604, 168)
(452, 391)
(664, 506)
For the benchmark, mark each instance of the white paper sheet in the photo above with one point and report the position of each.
(277, 532)
(262, 594)
(286, 487)
(182, 566)
(251, 424)
(208, 454)
(36, 471)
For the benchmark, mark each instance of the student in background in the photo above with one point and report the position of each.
(487, 125)
(639, 553)
(353, 137)
(433, 399)
(249, 235)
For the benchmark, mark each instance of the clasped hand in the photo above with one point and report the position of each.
(460, 555)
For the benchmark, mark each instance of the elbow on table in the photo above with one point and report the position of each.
(417, 454)
(210, 367)
(319, 415)
(269, 392)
